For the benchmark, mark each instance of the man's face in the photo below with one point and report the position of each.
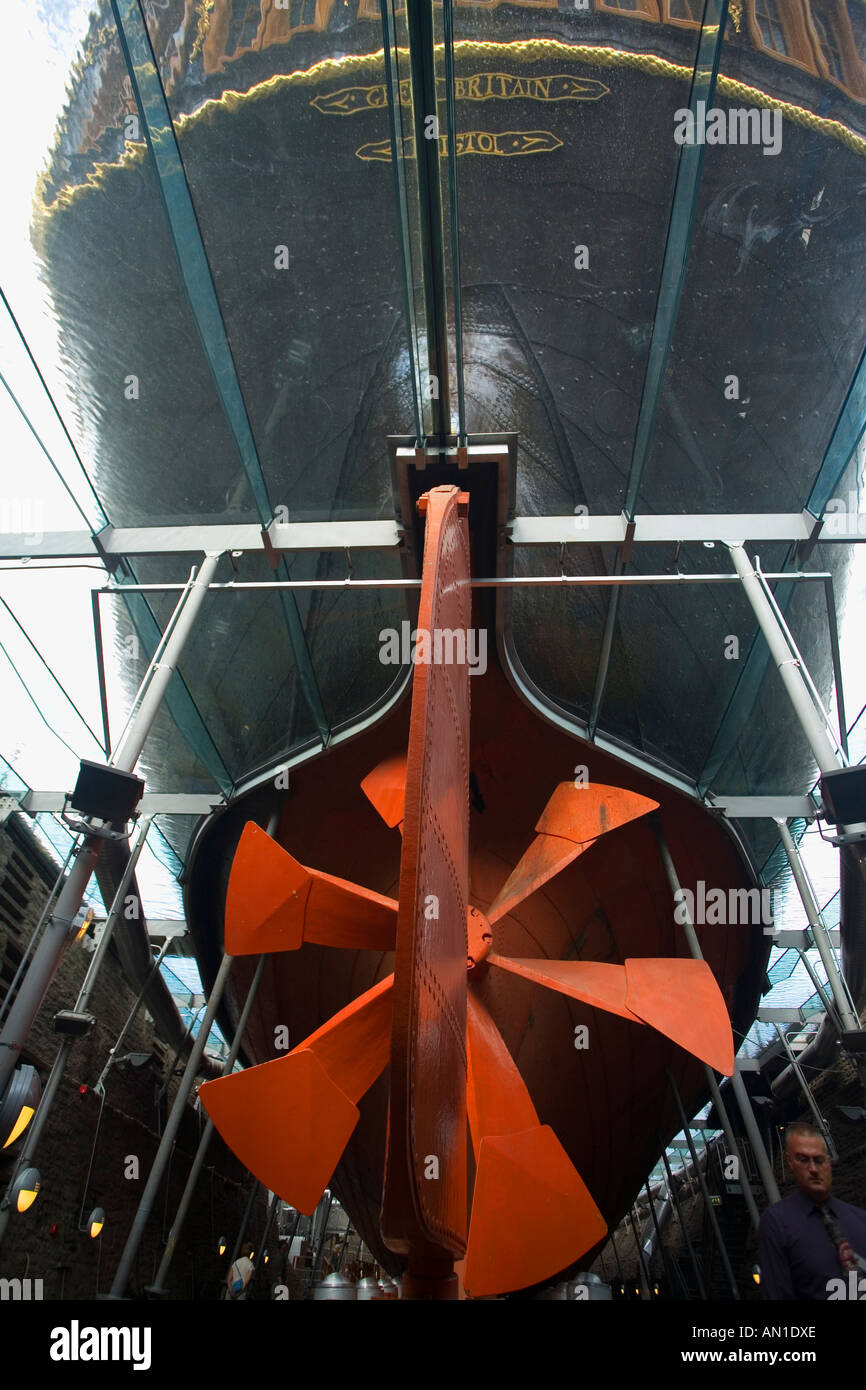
(810, 1164)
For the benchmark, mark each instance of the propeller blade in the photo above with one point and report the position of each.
(681, 999)
(573, 819)
(582, 813)
(546, 856)
(532, 1214)
(385, 787)
(593, 982)
(288, 1121)
(274, 903)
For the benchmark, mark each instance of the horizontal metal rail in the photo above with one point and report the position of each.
(550, 581)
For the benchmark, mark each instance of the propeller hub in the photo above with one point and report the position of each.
(479, 935)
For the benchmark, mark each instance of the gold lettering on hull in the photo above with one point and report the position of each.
(504, 143)
(483, 86)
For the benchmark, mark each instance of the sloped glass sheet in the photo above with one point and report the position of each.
(773, 315)
(555, 632)
(344, 628)
(566, 175)
(681, 651)
(283, 130)
(147, 418)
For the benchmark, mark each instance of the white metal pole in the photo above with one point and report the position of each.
(55, 938)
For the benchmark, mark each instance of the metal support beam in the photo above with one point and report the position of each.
(204, 1141)
(55, 938)
(145, 1205)
(430, 231)
(820, 1122)
(673, 529)
(750, 1124)
(643, 1271)
(708, 1206)
(545, 581)
(248, 538)
(242, 1228)
(795, 678)
(811, 721)
(695, 949)
(55, 1076)
(841, 996)
(151, 804)
(699, 1278)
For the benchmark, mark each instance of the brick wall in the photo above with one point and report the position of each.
(81, 1130)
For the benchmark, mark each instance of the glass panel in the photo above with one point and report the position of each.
(283, 129)
(560, 277)
(124, 325)
(772, 321)
(676, 639)
(556, 632)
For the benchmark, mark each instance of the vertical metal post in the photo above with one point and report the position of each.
(695, 949)
(765, 1168)
(130, 1250)
(810, 1099)
(259, 1251)
(99, 1086)
(841, 997)
(204, 1141)
(55, 938)
(55, 1076)
(710, 1209)
(317, 1258)
(702, 1288)
(242, 1229)
(642, 1267)
(658, 1232)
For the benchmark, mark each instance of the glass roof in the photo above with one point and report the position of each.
(243, 244)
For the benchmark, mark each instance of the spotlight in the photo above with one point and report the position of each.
(26, 1187)
(19, 1103)
(267, 1257)
(96, 1222)
(756, 1273)
(223, 1243)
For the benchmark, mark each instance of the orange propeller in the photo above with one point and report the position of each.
(289, 1120)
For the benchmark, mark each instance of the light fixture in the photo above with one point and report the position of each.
(19, 1103)
(222, 1245)
(267, 1257)
(26, 1187)
(756, 1273)
(82, 930)
(96, 1221)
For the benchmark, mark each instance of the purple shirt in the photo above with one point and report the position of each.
(798, 1258)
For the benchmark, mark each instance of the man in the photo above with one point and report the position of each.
(810, 1242)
